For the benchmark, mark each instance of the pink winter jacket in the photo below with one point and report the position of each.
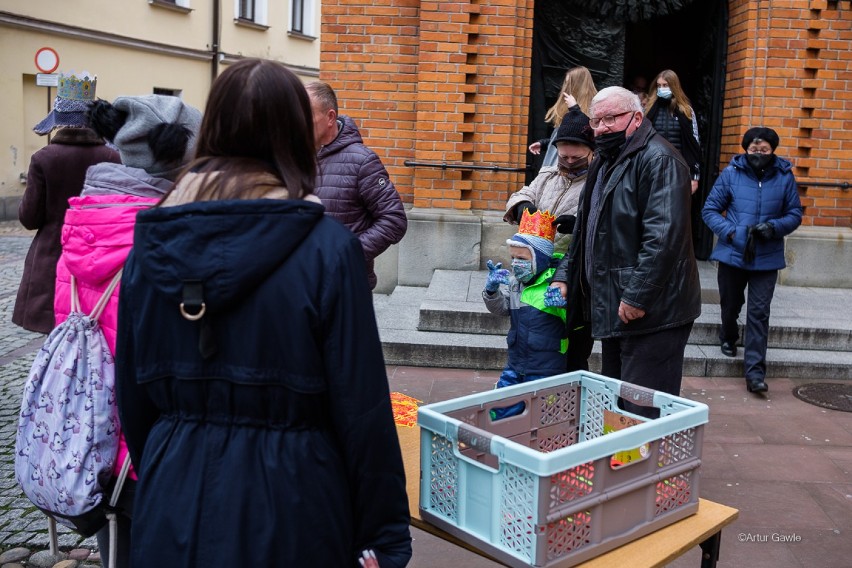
(96, 239)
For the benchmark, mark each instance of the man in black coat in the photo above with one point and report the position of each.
(631, 266)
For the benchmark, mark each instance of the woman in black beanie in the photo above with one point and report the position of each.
(758, 196)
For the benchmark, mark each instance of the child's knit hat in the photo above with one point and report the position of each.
(536, 233)
(154, 132)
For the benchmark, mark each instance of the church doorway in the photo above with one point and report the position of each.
(691, 40)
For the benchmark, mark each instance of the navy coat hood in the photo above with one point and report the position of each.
(231, 247)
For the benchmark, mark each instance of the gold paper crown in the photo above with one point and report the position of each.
(74, 88)
(539, 224)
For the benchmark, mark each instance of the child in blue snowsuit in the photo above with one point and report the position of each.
(537, 339)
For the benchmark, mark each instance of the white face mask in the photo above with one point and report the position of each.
(664, 92)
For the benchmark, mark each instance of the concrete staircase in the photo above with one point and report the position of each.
(446, 325)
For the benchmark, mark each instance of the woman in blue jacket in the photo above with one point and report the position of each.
(752, 206)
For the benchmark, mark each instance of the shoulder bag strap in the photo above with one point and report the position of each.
(75, 300)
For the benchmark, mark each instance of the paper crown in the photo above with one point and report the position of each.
(77, 88)
(538, 224)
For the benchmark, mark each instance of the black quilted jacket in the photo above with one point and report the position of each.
(354, 186)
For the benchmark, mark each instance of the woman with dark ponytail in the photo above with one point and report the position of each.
(155, 137)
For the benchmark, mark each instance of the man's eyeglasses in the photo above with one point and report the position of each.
(608, 120)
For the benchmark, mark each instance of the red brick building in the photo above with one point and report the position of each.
(442, 92)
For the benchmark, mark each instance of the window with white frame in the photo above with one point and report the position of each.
(302, 17)
(168, 92)
(251, 11)
(247, 10)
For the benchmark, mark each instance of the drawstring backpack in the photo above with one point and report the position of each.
(68, 430)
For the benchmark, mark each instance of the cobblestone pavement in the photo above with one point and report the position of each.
(21, 524)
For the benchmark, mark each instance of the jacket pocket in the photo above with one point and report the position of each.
(543, 343)
(621, 280)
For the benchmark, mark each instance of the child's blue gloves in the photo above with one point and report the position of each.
(553, 298)
(496, 275)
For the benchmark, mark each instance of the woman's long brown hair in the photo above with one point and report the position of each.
(257, 123)
(679, 98)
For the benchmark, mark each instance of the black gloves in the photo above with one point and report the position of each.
(764, 231)
(760, 232)
(565, 224)
(748, 253)
(519, 209)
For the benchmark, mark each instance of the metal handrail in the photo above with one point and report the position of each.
(843, 185)
(469, 167)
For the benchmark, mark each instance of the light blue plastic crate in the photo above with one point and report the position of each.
(546, 488)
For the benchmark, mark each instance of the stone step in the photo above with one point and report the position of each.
(479, 351)
(784, 332)
(453, 305)
(400, 314)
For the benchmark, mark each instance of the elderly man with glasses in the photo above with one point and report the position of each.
(631, 270)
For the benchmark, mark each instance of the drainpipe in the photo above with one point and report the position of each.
(216, 38)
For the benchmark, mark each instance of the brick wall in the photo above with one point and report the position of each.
(790, 68)
(369, 55)
(435, 81)
(448, 81)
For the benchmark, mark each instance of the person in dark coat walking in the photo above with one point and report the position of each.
(753, 205)
(631, 262)
(352, 182)
(250, 378)
(56, 173)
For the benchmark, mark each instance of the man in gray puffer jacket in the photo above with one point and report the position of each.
(352, 182)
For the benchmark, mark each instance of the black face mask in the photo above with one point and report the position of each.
(610, 144)
(578, 168)
(759, 162)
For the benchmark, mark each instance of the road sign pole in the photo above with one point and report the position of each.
(48, 111)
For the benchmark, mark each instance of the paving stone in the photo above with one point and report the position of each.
(79, 554)
(14, 555)
(44, 559)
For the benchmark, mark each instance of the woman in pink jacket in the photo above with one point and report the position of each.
(155, 137)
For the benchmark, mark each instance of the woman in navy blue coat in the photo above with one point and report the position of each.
(752, 206)
(251, 383)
